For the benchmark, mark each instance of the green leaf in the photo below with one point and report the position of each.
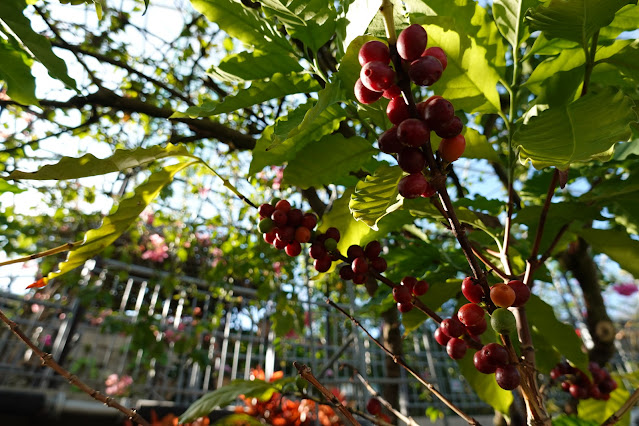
(581, 131)
(509, 17)
(310, 21)
(626, 19)
(96, 240)
(377, 195)
(615, 244)
(598, 412)
(16, 72)
(558, 334)
(626, 60)
(260, 91)
(39, 46)
(544, 46)
(238, 419)
(359, 16)
(332, 157)
(566, 420)
(255, 65)
(470, 81)
(477, 145)
(243, 23)
(7, 187)
(89, 165)
(485, 385)
(269, 150)
(226, 395)
(575, 20)
(437, 295)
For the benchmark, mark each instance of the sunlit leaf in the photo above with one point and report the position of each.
(615, 244)
(597, 411)
(16, 72)
(509, 16)
(255, 65)
(485, 385)
(377, 195)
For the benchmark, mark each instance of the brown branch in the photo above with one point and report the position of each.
(305, 372)
(397, 359)
(55, 250)
(48, 360)
(617, 415)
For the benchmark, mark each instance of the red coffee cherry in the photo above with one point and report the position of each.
(377, 76)
(293, 249)
(413, 185)
(365, 95)
(397, 110)
(309, 221)
(354, 251)
(522, 292)
(413, 132)
(389, 142)
(425, 71)
(452, 327)
(392, 92)
(317, 250)
(473, 292)
(360, 265)
(438, 111)
(283, 205)
(507, 377)
(279, 217)
(346, 273)
(294, 217)
(495, 354)
(373, 249)
(411, 160)
(441, 337)
(478, 328)
(404, 307)
(451, 149)
(265, 210)
(456, 348)
(402, 294)
(430, 191)
(450, 129)
(420, 288)
(332, 233)
(438, 53)
(411, 42)
(302, 234)
(482, 364)
(374, 406)
(373, 50)
(379, 264)
(470, 314)
(323, 264)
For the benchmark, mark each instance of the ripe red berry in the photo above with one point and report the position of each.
(283, 205)
(373, 249)
(404, 307)
(413, 185)
(279, 217)
(456, 348)
(420, 288)
(373, 50)
(354, 251)
(413, 132)
(438, 53)
(473, 292)
(286, 233)
(522, 292)
(452, 149)
(294, 248)
(279, 244)
(346, 273)
(482, 365)
(402, 294)
(332, 233)
(365, 95)
(317, 250)
(452, 327)
(360, 265)
(450, 129)
(411, 160)
(359, 278)
(389, 142)
(397, 110)
(302, 234)
(438, 111)
(412, 42)
(578, 392)
(374, 406)
(495, 354)
(441, 337)
(478, 328)
(377, 76)
(265, 210)
(323, 264)
(425, 71)
(294, 217)
(309, 221)
(470, 314)
(507, 377)
(392, 92)
(269, 237)
(429, 191)
(409, 282)
(379, 264)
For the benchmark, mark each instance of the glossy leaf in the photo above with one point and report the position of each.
(89, 165)
(96, 240)
(557, 333)
(260, 91)
(377, 195)
(329, 158)
(16, 72)
(255, 65)
(39, 46)
(243, 23)
(310, 21)
(226, 395)
(509, 17)
(485, 385)
(617, 245)
(626, 60)
(575, 20)
(584, 130)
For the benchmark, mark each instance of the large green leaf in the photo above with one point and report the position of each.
(470, 81)
(96, 240)
(597, 411)
(89, 165)
(626, 60)
(575, 20)
(39, 46)
(323, 161)
(255, 65)
(260, 91)
(559, 334)
(509, 16)
(435, 297)
(243, 23)
(359, 15)
(226, 395)
(270, 150)
(16, 72)
(377, 195)
(626, 19)
(581, 131)
(485, 385)
(310, 21)
(615, 244)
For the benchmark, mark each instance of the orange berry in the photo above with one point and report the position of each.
(502, 295)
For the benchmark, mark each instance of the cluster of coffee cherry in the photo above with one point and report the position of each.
(362, 261)
(408, 136)
(404, 292)
(284, 227)
(579, 385)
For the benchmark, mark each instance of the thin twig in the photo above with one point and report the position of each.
(48, 360)
(631, 402)
(399, 360)
(305, 372)
(55, 250)
(501, 274)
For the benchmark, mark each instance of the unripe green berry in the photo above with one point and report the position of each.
(265, 225)
(330, 244)
(503, 321)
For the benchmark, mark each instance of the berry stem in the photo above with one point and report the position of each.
(399, 360)
(389, 22)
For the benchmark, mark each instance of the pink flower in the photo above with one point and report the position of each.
(277, 268)
(158, 251)
(147, 216)
(625, 289)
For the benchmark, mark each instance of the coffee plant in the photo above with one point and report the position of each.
(373, 117)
